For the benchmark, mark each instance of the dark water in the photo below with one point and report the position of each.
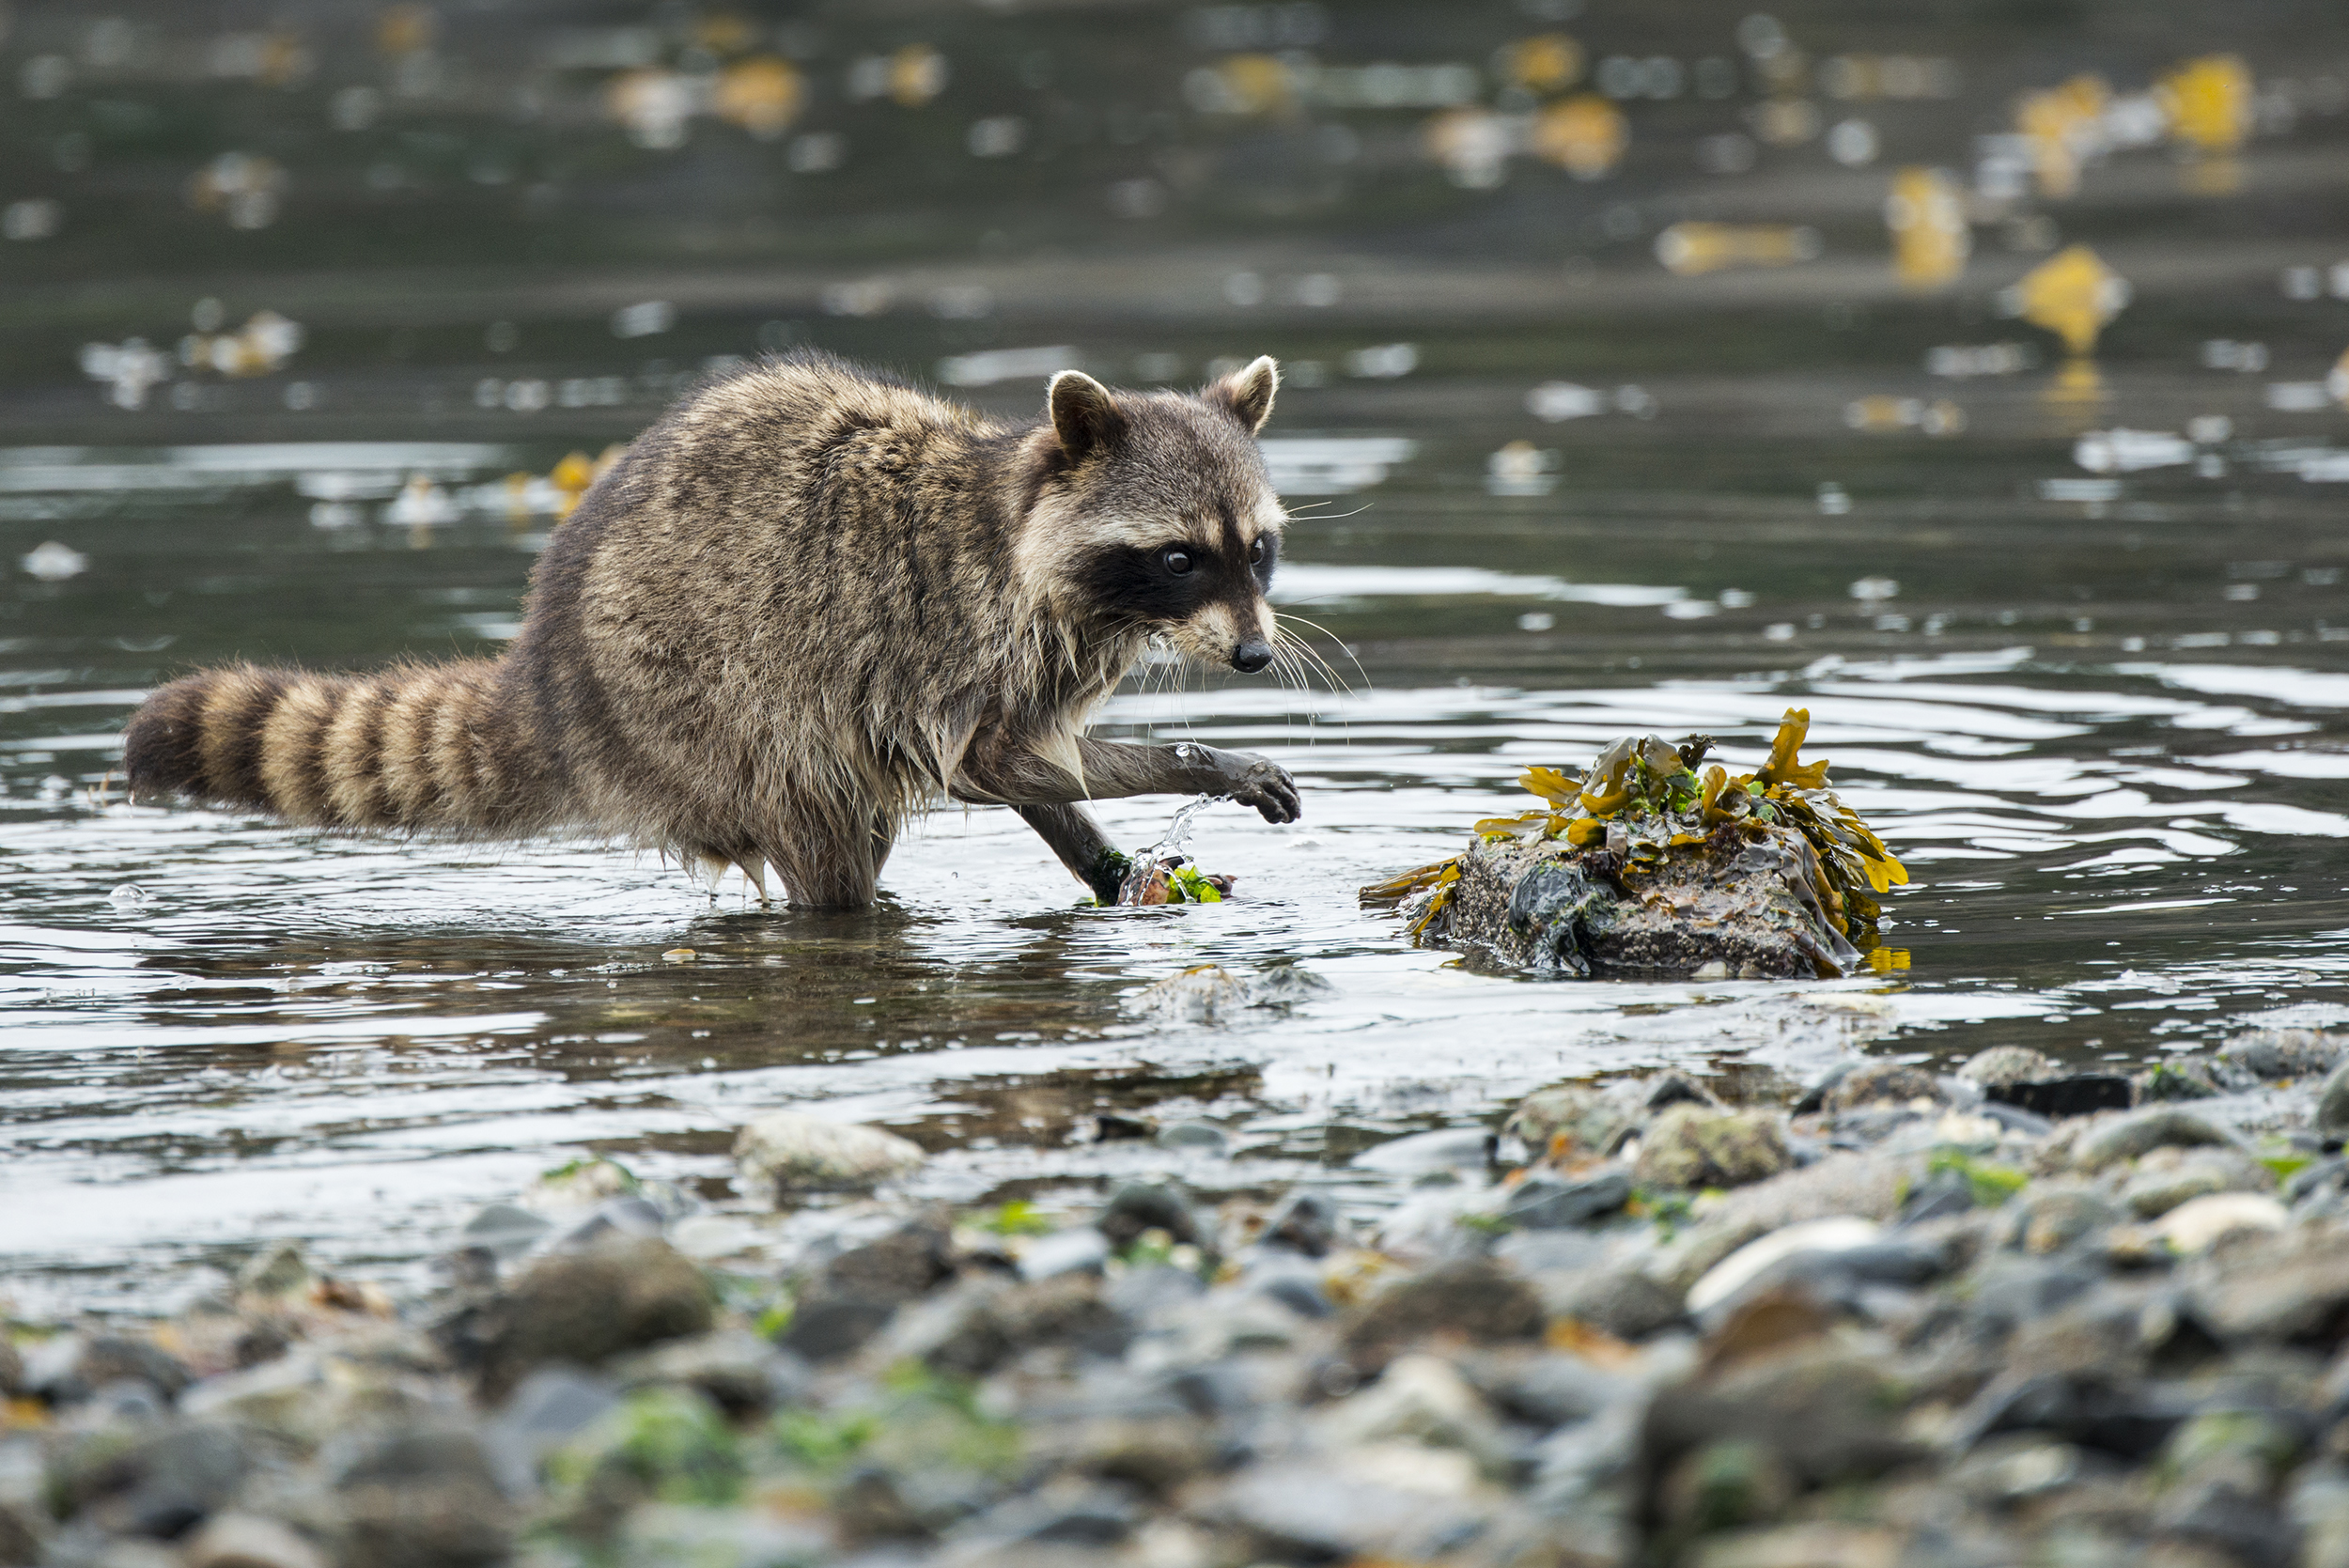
(2101, 711)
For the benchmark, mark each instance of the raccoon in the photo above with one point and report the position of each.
(811, 601)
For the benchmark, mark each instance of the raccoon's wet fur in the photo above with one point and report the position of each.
(806, 604)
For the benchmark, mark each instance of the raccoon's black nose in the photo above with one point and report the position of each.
(1250, 655)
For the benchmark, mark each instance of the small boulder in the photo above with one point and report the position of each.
(1814, 1238)
(590, 1305)
(2185, 1076)
(1304, 1221)
(1472, 1299)
(2332, 1104)
(1545, 1201)
(2198, 1224)
(420, 1497)
(250, 1540)
(786, 1152)
(1691, 1146)
(2127, 1138)
(743, 1374)
(1627, 1302)
(1571, 1118)
(1882, 1083)
(2285, 1053)
(2161, 1183)
(2003, 1065)
(2292, 1286)
(2051, 1219)
(1140, 1206)
(70, 1369)
(159, 1483)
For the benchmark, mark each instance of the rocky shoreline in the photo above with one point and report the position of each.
(2014, 1314)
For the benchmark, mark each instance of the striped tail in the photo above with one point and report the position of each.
(432, 749)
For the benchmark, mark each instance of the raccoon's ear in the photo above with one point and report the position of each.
(1248, 393)
(1084, 415)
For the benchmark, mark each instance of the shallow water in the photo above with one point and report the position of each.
(2093, 686)
(2113, 774)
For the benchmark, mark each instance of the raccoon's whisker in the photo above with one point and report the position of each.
(1327, 517)
(1285, 615)
(1337, 682)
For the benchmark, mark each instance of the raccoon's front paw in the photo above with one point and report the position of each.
(1266, 785)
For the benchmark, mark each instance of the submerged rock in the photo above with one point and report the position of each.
(1740, 899)
(1642, 867)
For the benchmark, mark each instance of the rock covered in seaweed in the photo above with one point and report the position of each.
(1646, 866)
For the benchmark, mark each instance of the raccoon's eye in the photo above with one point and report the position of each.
(1176, 560)
(1255, 554)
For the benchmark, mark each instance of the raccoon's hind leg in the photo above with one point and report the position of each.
(827, 866)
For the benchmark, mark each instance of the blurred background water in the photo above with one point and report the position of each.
(1972, 375)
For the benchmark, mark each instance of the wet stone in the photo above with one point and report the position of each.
(1316, 1510)
(742, 1372)
(2290, 1287)
(1941, 1194)
(2202, 1224)
(2003, 1065)
(1140, 1206)
(911, 1261)
(1472, 1300)
(1545, 1201)
(70, 1369)
(1541, 1388)
(2160, 1185)
(787, 1152)
(1081, 1249)
(668, 1445)
(1830, 1414)
(1304, 1221)
(1442, 1154)
(1882, 1083)
(157, 1486)
(2186, 1077)
(1624, 1301)
(2052, 1219)
(250, 1540)
(1570, 1118)
(826, 1328)
(2332, 1104)
(276, 1271)
(986, 1326)
(420, 1497)
(588, 1306)
(2127, 1138)
(1205, 1136)
(1689, 1146)
(2285, 1053)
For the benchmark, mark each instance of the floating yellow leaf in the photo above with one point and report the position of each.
(1545, 63)
(761, 95)
(2209, 102)
(1930, 237)
(1692, 249)
(1585, 135)
(2072, 294)
(2061, 125)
